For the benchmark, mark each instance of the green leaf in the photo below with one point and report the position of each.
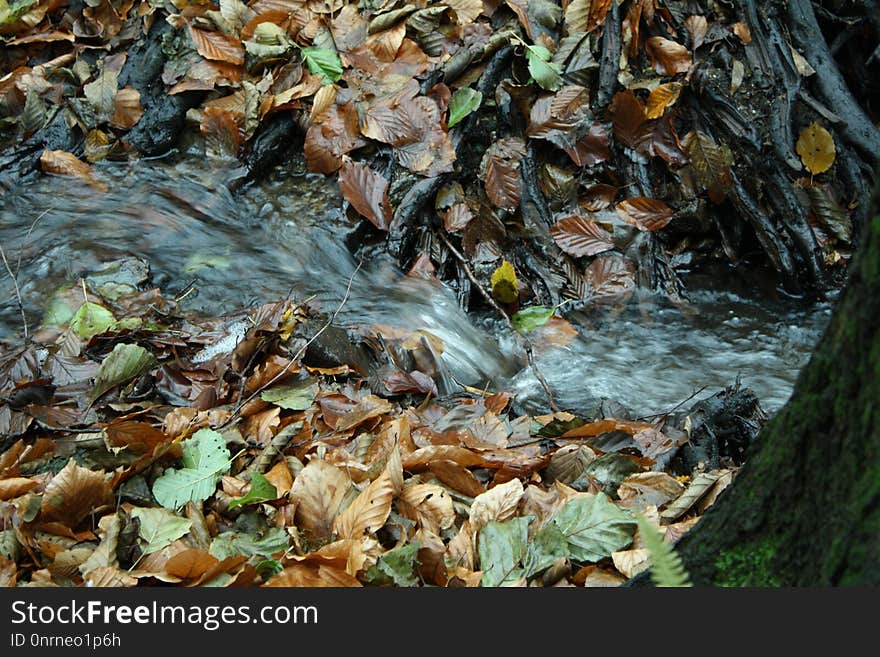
(261, 491)
(667, 570)
(396, 567)
(528, 319)
(547, 74)
(205, 459)
(593, 527)
(159, 528)
(323, 62)
(463, 102)
(124, 363)
(548, 545)
(91, 319)
(295, 397)
(502, 546)
(228, 544)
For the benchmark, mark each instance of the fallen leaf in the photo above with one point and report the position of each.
(367, 191)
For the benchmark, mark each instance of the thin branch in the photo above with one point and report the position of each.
(17, 293)
(548, 391)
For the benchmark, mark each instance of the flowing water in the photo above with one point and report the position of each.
(288, 235)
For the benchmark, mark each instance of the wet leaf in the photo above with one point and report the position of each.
(205, 459)
(578, 236)
(500, 167)
(457, 217)
(505, 287)
(91, 319)
(668, 57)
(261, 490)
(645, 213)
(712, 163)
(502, 546)
(662, 97)
(531, 318)
(222, 133)
(124, 363)
(816, 148)
(67, 164)
(463, 102)
(159, 528)
(367, 191)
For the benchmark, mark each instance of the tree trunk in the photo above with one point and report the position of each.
(805, 510)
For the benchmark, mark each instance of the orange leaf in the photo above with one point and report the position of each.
(75, 493)
(190, 564)
(139, 437)
(217, 46)
(645, 213)
(15, 486)
(367, 191)
(662, 97)
(307, 574)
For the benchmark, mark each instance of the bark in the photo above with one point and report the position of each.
(805, 510)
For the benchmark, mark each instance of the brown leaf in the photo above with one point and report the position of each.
(317, 491)
(222, 133)
(217, 46)
(138, 437)
(578, 236)
(16, 486)
(328, 141)
(369, 510)
(67, 164)
(644, 489)
(386, 43)
(598, 197)
(74, 493)
(610, 278)
(367, 191)
(743, 32)
(8, 573)
(628, 116)
(466, 11)
(457, 217)
(592, 148)
(190, 564)
(429, 505)
(457, 477)
(280, 477)
(500, 167)
(496, 504)
(648, 214)
(697, 26)
(668, 57)
(309, 575)
(128, 108)
(109, 576)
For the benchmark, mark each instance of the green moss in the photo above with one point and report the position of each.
(747, 565)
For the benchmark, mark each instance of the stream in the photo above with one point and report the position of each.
(287, 236)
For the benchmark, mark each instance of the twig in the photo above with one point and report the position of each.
(528, 345)
(237, 410)
(17, 293)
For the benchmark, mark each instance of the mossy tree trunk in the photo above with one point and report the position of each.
(805, 510)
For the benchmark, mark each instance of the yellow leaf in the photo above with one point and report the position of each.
(662, 97)
(504, 284)
(816, 148)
